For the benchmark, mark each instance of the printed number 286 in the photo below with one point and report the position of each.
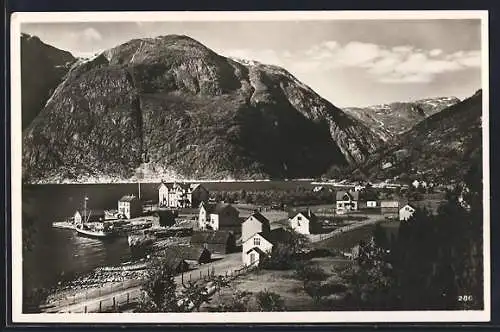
(465, 298)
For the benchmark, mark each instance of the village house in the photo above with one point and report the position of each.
(174, 261)
(256, 223)
(406, 212)
(219, 242)
(176, 195)
(389, 209)
(90, 216)
(220, 216)
(347, 201)
(304, 222)
(415, 184)
(255, 248)
(193, 254)
(371, 204)
(129, 206)
(260, 245)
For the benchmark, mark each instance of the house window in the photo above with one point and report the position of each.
(256, 241)
(299, 218)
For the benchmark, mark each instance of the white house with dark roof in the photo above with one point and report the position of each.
(347, 201)
(304, 222)
(256, 223)
(406, 212)
(259, 245)
(218, 216)
(254, 248)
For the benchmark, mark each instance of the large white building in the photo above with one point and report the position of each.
(176, 195)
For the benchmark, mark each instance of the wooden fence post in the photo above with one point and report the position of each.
(114, 303)
(190, 277)
(100, 306)
(85, 309)
(128, 298)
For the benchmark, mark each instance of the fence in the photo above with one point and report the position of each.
(127, 295)
(80, 296)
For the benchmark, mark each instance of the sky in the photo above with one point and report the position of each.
(348, 62)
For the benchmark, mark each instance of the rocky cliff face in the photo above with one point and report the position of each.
(169, 106)
(42, 69)
(442, 147)
(390, 120)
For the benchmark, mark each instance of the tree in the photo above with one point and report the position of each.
(159, 290)
(269, 301)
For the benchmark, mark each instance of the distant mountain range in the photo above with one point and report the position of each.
(390, 120)
(169, 107)
(442, 147)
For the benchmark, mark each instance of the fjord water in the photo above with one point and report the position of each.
(59, 254)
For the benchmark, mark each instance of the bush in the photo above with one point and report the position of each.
(269, 301)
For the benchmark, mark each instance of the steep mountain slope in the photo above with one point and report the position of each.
(169, 106)
(390, 120)
(441, 147)
(42, 69)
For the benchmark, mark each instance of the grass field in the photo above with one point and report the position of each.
(347, 240)
(284, 283)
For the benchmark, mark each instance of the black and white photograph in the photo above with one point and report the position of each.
(245, 167)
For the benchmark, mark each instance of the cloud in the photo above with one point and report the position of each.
(435, 52)
(399, 64)
(390, 65)
(91, 34)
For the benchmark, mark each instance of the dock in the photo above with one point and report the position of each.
(63, 224)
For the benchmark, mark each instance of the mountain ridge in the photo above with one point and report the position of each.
(184, 111)
(42, 68)
(441, 147)
(392, 119)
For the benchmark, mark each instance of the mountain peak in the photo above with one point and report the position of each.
(176, 107)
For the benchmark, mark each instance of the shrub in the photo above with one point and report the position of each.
(269, 301)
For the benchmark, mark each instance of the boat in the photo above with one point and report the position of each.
(98, 229)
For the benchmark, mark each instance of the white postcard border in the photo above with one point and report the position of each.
(265, 317)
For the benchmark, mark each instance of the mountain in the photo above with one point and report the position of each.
(442, 147)
(390, 120)
(170, 107)
(42, 69)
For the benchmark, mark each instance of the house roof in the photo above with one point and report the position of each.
(217, 208)
(128, 198)
(277, 235)
(306, 213)
(411, 206)
(257, 249)
(208, 237)
(163, 184)
(354, 195)
(172, 258)
(259, 217)
(191, 252)
(184, 186)
(195, 186)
